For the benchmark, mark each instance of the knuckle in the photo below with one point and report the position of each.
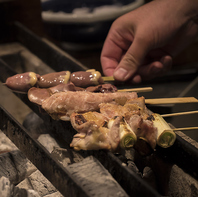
(130, 61)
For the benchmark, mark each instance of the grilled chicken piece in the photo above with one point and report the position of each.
(95, 133)
(86, 79)
(103, 88)
(149, 132)
(38, 95)
(114, 132)
(120, 134)
(126, 124)
(22, 82)
(62, 105)
(81, 122)
(131, 106)
(53, 79)
(91, 133)
(96, 138)
(143, 129)
(110, 110)
(140, 103)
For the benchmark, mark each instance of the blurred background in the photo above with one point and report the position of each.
(81, 27)
(78, 27)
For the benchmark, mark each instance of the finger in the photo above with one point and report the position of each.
(167, 61)
(110, 57)
(137, 79)
(113, 49)
(155, 68)
(132, 60)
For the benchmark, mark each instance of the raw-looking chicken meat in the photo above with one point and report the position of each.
(62, 105)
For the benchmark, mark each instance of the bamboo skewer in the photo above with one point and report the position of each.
(171, 100)
(185, 128)
(110, 78)
(146, 89)
(179, 114)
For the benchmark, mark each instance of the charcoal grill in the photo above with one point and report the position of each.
(184, 153)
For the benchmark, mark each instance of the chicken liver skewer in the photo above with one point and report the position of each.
(24, 81)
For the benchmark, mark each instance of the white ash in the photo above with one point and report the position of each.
(15, 166)
(182, 184)
(55, 194)
(48, 142)
(66, 156)
(7, 189)
(133, 167)
(6, 144)
(95, 179)
(36, 181)
(149, 176)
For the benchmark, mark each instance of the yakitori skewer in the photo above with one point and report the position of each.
(179, 114)
(144, 89)
(171, 100)
(24, 81)
(108, 78)
(185, 129)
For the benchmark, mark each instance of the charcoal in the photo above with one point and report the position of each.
(130, 154)
(30, 185)
(48, 142)
(66, 156)
(15, 166)
(182, 184)
(6, 144)
(9, 190)
(39, 183)
(26, 184)
(133, 167)
(149, 177)
(55, 194)
(95, 178)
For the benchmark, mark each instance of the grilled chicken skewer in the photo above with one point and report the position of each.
(60, 103)
(122, 127)
(23, 82)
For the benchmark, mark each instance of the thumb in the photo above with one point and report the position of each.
(131, 60)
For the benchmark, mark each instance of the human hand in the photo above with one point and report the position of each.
(142, 44)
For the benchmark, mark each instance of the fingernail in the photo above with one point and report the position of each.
(120, 74)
